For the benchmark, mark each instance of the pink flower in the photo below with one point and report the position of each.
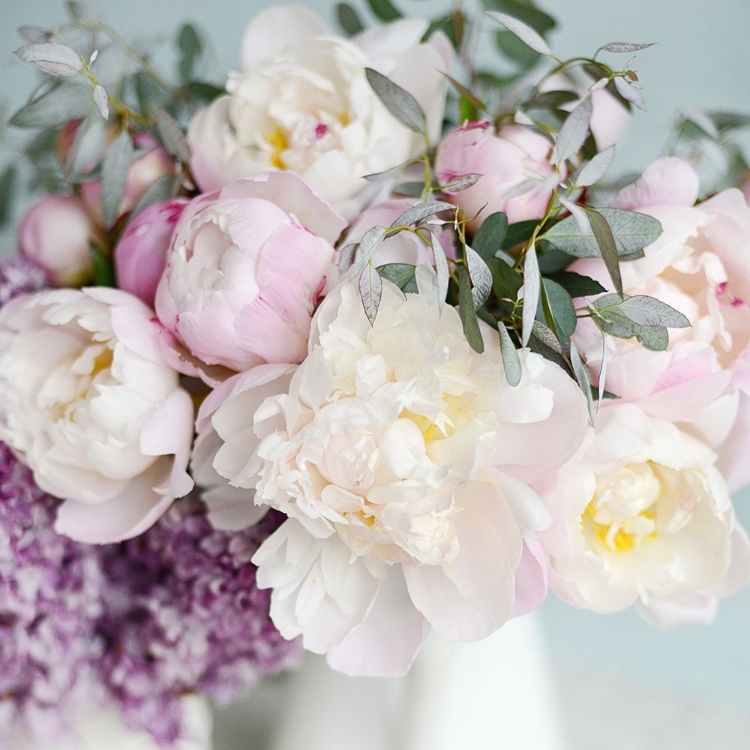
(56, 233)
(140, 255)
(92, 407)
(246, 268)
(143, 173)
(505, 160)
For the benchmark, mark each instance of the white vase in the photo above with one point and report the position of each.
(492, 695)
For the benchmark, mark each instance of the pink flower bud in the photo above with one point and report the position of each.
(506, 161)
(55, 234)
(140, 255)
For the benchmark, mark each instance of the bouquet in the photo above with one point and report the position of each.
(361, 345)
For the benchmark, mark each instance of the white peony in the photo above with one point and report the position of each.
(302, 103)
(90, 405)
(645, 518)
(401, 458)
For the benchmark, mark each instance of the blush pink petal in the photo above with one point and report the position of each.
(531, 579)
(387, 641)
(666, 182)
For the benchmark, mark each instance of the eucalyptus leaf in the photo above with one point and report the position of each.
(583, 376)
(547, 336)
(441, 270)
(399, 102)
(172, 135)
(467, 94)
(552, 100)
(560, 308)
(529, 36)
(461, 182)
(88, 144)
(532, 282)
(349, 19)
(592, 171)
(389, 174)
(619, 47)
(34, 34)
(481, 277)
(525, 11)
(511, 360)
(370, 291)
(420, 212)
(347, 254)
(115, 170)
(607, 247)
(401, 274)
(632, 232)
(489, 237)
(160, 190)
(410, 189)
(101, 99)
(53, 58)
(191, 48)
(577, 285)
(519, 232)
(646, 311)
(629, 92)
(468, 312)
(385, 10)
(8, 182)
(574, 132)
(505, 281)
(367, 246)
(55, 108)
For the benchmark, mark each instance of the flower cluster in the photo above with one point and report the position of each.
(358, 347)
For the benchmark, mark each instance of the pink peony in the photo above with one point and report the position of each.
(140, 255)
(246, 268)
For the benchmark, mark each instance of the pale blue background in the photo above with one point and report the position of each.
(703, 60)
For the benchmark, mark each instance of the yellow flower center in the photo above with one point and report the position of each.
(279, 143)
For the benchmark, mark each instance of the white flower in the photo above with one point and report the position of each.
(302, 103)
(401, 458)
(90, 405)
(645, 518)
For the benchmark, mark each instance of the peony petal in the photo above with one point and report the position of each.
(531, 579)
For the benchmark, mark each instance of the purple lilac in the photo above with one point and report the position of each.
(184, 614)
(50, 599)
(19, 275)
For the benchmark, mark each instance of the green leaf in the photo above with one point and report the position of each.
(606, 241)
(552, 100)
(528, 35)
(611, 319)
(511, 360)
(643, 311)
(171, 134)
(573, 132)
(348, 19)
(559, 306)
(532, 283)
(592, 171)
(399, 102)
(161, 190)
(202, 90)
(490, 236)
(513, 48)
(55, 108)
(88, 144)
(384, 10)
(547, 336)
(52, 58)
(526, 12)
(367, 246)
(505, 281)
(625, 47)
(468, 312)
(632, 232)
(441, 270)
(551, 260)
(577, 285)
(583, 376)
(191, 48)
(370, 291)
(518, 233)
(104, 272)
(420, 212)
(481, 277)
(7, 192)
(467, 94)
(460, 182)
(401, 274)
(115, 168)
(410, 189)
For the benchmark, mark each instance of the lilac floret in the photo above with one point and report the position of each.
(19, 276)
(50, 600)
(183, 615)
